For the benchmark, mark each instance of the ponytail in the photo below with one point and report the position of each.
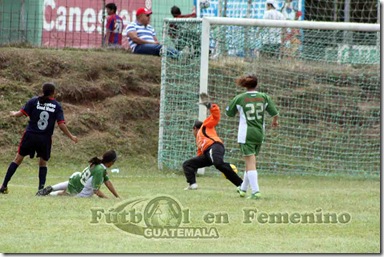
(95, 161)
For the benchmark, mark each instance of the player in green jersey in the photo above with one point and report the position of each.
(87, 182)
(251, 106)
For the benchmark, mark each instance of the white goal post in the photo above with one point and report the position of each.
(324, 78)
(206, 30)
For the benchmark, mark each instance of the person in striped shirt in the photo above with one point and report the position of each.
(142, 36)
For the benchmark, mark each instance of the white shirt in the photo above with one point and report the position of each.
(272, 35)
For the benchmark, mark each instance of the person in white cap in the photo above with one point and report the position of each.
(271, 37)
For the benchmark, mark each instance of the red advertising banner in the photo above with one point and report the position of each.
(79, 23)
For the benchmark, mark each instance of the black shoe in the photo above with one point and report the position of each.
(44, 191)
(4, 190)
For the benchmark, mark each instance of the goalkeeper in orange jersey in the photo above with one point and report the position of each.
(210, 148)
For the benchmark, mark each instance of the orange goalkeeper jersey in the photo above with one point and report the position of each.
(207, 135)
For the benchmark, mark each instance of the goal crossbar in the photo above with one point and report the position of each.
(326, 99)
(322, 25)
(206, 27)
(207, 21)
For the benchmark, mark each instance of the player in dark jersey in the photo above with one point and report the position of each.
(114, 27)
(43, 112)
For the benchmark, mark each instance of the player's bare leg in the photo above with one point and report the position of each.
(59, 193)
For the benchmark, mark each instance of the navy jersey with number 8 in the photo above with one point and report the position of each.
(42, 117)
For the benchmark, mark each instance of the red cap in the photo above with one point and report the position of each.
(298, 14)
(143, 11)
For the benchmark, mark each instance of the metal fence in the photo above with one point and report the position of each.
(80, 23)
(69, 23)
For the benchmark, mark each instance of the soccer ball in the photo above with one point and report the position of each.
(234, 168)
(204, 4)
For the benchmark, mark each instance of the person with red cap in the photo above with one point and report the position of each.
(142, 36)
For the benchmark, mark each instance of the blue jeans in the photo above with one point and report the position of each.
(152, 49)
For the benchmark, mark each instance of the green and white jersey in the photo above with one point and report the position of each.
(78, 179)
(251, 107)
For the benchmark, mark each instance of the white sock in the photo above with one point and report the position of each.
(245, 184)
(56, 193)
(252, 177)
(60, 186)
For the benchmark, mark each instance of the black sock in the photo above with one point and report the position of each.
(11, 170)
(42, 176)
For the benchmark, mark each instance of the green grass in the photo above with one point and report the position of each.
(93, 104)
(32, 224)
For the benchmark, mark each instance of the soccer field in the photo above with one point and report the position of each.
(297, 214)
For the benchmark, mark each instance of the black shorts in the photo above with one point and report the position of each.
(36, 143)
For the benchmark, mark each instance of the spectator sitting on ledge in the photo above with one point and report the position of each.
(142, 37)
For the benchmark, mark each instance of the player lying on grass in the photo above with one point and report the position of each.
(210, 148)
(87, 182)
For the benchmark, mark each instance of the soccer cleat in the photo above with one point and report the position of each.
(241, 192)
(4, 190)
(44, 191)
(255, 196)
(191, 187)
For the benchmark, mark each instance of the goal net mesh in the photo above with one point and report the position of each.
(325, 83)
